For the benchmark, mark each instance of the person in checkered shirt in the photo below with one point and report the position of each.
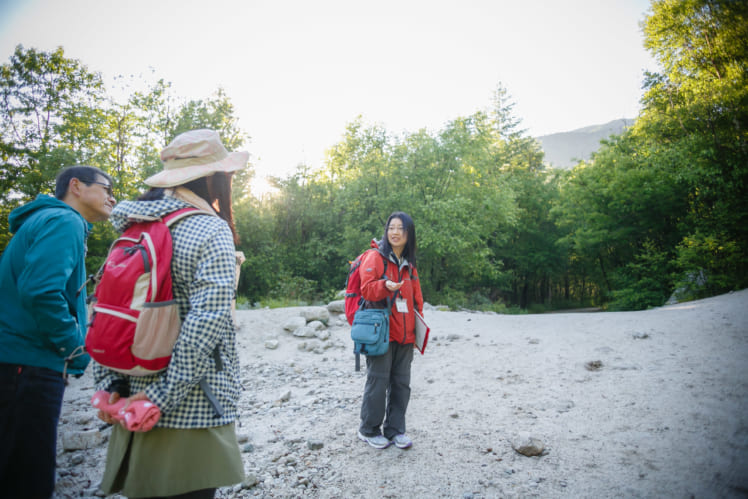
(192, 450)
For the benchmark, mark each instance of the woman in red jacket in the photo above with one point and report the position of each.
(387, 390)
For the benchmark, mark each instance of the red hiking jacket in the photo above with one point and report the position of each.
(402, 324)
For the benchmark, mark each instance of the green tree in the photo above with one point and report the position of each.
(45, 99)
(696, 117)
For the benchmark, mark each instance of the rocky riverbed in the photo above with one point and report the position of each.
(627, 404)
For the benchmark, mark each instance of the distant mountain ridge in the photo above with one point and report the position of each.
(565, 149)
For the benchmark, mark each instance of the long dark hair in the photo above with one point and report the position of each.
(220, 200)
(409, 252)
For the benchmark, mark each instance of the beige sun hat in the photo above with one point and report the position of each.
(195, 154)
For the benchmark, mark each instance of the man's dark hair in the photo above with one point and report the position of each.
(84, 173)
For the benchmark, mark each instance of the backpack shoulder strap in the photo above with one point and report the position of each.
(384, 259)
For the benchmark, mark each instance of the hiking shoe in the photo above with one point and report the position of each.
(378, 442)
(402, 441)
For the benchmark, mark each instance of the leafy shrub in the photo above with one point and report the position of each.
(710, 264)
(643, 283)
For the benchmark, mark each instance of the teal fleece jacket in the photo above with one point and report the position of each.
(43, 317)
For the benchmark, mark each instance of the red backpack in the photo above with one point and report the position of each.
(134, 320)
(353, 298)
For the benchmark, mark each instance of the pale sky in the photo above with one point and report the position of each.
(298, 71)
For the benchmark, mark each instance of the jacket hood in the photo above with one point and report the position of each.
(18, 216)
(157, 209)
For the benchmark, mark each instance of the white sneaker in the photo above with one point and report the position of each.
(402, 441)
(378, 442)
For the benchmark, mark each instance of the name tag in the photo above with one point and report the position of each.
(402, 305)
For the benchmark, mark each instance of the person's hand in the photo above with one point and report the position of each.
(105, 416)
(392, 286)
(137, 396)
(113, 398)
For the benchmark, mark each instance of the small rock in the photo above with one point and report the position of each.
(271, 344)
(593, 365)
(80, 440)
(316, 325)
(564, 406)
(336, 307)
(314, 444)
(294, 323)
(527, 445)
(250, 480)
(83, 419)
(305, 332)
(315, 314)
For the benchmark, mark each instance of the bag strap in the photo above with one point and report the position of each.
(217, 407)
(361, 300)
(361, 303)
(388, 311)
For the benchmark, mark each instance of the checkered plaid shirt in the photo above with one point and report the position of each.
(203, 274)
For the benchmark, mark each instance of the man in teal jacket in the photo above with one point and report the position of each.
(43, 323)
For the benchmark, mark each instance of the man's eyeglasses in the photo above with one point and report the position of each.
(107, 186)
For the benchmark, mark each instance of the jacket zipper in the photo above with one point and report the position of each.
(405, 316)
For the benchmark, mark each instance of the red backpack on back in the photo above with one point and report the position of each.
(353, 296)
(134, 320)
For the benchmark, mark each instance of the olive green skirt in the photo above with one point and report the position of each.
(166, 461)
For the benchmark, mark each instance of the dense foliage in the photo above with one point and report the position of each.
(659, 209)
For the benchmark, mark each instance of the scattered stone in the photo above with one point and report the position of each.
(271, 344)
(527, 445)
(564, 406)
(454, 415)
(640, 336)
(316, 325)
(314, 444)
(294, 323)
(305, 332)
(81, 440)
(315, 314)
(336, 307)
(84, 419)
(250, 480)
(593, 365)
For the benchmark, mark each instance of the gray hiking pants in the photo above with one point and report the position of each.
(387, 392)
